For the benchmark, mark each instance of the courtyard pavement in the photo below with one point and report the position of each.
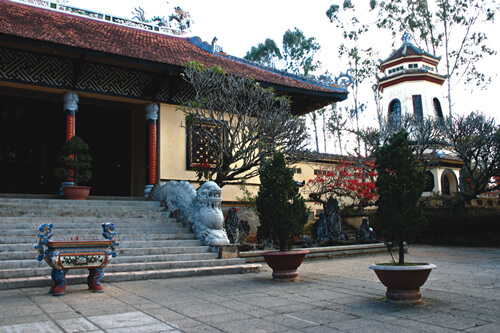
(337, 295)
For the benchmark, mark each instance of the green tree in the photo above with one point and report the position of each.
(400, 185)
(361, 62)
(299, 52)
(476, 141)
(267, 53)
(281, 208)
(299, 55)
(253, 120)
(449, 28)
(75, 161)
(424, 135)
(337, 124)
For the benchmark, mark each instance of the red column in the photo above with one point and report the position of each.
(152, 147)
(70, 107)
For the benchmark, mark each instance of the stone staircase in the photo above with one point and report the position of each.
(350, 231)
(152, 245)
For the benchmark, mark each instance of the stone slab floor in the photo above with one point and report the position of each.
(338, 295)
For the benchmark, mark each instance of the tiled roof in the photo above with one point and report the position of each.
(48, 26)
(406, 50)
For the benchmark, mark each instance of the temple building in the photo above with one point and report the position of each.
(115, 83)
(410, 84)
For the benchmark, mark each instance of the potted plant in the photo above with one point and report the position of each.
(283, 214)
(400, 185)
(75, 165)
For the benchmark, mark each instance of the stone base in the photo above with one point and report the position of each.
(226, 251)
(413, 296)
(290, 275)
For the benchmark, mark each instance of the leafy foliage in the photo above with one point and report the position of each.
(299, 55)
(452, 29)
(351, 178)
(424, 135)
(400, 185)
(281, 208)
(254, 120)
(75, 161)
(476, 141)
(267, 53)
(361, 62)
(299, 52)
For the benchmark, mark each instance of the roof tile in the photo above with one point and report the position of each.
(34, 23)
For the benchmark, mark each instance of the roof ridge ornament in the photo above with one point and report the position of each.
(177, 24)
(345, 79)
(406, 37)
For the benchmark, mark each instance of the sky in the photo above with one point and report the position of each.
(239, 25)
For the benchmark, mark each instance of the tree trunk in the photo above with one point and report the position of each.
(446, 41)
(401, 253)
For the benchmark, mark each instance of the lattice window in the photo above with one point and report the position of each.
(205, 138)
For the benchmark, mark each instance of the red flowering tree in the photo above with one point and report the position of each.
(349, 178)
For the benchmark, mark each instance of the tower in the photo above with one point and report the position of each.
(410, 83)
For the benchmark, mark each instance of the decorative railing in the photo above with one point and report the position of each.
(168, 30)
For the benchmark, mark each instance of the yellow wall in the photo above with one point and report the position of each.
(173, 150)
(173, 153)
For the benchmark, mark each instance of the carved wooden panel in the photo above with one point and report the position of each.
(204, 141)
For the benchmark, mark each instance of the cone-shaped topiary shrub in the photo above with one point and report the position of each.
(281, 208)
(400, 185)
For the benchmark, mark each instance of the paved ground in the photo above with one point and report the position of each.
(341, 295)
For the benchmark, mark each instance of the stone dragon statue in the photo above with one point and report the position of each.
(200, 209)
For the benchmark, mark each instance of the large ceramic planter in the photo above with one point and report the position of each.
(285, 264)
(76, 192)
(403, 282)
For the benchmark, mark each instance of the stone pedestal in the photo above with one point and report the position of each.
(226, 251)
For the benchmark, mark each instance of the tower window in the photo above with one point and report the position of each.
(397, 69)
(417, 106)
(413, 66)
(438, 112)
(395, 113)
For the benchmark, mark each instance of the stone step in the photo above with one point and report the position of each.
(80, 205)
(32, 255)
(58, 206)
(123, 245)
(15, 264)
(165, 257)
(81, 231)
(330, 252)
(122, 267)
(52, 211)
(73, 278)
(121, 237)
(70, 222)
(152, 245)
(77, 203)
(84, 213)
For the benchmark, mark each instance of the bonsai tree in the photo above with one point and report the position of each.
(281, 208)
(400, 185)
(75, 161)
